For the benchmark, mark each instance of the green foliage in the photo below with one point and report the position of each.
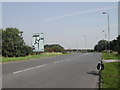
(9, 59)
(13, 44)
(0, 42)
(102, 45)
(118, 41)
(113, 55)
(54, 48)
(114, 45)
(110, 74)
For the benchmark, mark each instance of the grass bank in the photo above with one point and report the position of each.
(112, 55)
(111, 76)
(9, 59)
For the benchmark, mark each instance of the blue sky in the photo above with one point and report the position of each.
(0, 15)
(64, 23)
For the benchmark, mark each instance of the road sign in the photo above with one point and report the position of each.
(38, 42)
(100, 65)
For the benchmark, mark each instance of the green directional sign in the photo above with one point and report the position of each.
(38, 42)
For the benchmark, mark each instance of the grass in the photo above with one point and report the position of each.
(110, 75)
(9, 59)
(112, 55)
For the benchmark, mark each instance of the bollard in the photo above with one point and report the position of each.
(100, 67)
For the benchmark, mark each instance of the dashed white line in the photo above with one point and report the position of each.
(61, 60)
(56, 61)
(29, 69)
(38, 66)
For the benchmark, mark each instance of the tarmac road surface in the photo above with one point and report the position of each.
(76, 70)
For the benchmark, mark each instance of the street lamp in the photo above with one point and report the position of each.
(105, 38)
(108, 32)
(85, 42)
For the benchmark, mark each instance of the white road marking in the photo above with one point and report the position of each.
(29, 69)
(38, 66)
(56, 61)
(61, 60)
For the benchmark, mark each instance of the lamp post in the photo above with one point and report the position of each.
(105, 38)
(85, 42)
(108, 32)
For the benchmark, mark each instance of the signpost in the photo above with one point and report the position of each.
(38, 42)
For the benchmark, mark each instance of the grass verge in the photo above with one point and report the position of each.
(112, 55)
(110, 75)
(9, 59)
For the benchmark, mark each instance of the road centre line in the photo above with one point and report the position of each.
(37, 66)
(61, 60)
(56, 61)
(29, 69)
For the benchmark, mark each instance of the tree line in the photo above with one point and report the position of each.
(104, 44)
(13, 44)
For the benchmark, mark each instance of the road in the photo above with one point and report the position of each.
(67, 71)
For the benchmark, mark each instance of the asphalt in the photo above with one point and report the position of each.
(66, 71)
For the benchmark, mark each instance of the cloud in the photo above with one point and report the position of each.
(77, 13)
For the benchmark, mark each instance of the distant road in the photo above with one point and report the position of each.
(66, 71)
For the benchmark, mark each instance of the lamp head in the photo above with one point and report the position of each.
(104, 13)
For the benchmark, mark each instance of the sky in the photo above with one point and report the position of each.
(0, 15)
(70, 24)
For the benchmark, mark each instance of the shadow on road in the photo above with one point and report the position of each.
(95, 73)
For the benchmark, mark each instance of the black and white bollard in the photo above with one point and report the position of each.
(100, 67)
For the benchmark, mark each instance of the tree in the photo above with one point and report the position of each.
(114, 45)
(0, 42)
(13, 44)
(118, 41)
(26, 50)
(54, 48)
(102, 45)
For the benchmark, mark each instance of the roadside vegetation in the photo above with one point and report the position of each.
(113, 55)
(111, 75)
(14, 48)
(9, 59)
(13, 44)
(103, 45)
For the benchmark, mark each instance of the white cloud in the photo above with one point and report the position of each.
(77, 13)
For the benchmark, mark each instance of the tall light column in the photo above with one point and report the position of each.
(85, 42)
(108, 32)
(105, 39)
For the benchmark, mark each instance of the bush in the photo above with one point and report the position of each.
(54, 48)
